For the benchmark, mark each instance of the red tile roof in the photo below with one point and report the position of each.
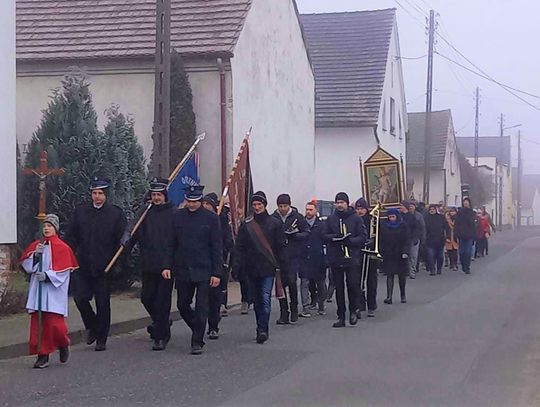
(89, 29)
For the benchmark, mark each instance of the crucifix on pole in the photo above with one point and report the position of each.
(42, 172)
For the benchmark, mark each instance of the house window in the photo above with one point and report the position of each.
(400, 127)
(384, 126)
(451, 162)
(392, 116)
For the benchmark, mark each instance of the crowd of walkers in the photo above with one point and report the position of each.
(306, 260)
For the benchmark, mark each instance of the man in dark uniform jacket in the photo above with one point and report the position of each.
(296, 233)
(94, 234)
(218, 295)
(345, 235)
(195, 257)
(153, 236)
(259, 254)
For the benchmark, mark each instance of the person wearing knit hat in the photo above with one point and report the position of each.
(153, 237)
(95, 234)
(345, 235)
(259, 255)
(49, 262)
(296, 233)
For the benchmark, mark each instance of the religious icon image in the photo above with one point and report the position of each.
(382, 175)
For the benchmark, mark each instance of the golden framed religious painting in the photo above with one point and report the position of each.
(382, 179)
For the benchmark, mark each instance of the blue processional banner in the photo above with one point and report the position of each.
(188, 176)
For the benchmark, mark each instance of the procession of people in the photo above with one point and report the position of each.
(301, 255)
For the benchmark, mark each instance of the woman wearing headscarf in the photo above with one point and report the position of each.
(393, 247)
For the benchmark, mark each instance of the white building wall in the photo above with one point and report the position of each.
(436, 186)
(8, 203)
(338, 154)
(273, 88)
(453, 173)
(536, 208)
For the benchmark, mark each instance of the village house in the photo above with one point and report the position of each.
(360, 98)
(495, 156)
(247, 63)
(530, 197)
(445, 173)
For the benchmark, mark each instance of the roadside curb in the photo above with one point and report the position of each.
(79, 336)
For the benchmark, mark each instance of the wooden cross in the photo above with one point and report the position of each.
(43, 171)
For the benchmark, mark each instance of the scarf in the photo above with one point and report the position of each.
(62, 257)
(311, 221)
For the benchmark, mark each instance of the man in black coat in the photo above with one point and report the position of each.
(313, 270)
(218, 295)
(345, 236)
(153, 235)
(368, 298)
(436, 232)
(259, 256)
(94, 234)
(296, 232)
(195, 257)
(465, 231)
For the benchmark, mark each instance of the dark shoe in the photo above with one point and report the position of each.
(283, 318)
(150, 330)
(159, 344)
(312, 306)
(340, 323)
(403, 300)
(353, 318)
(294, 317)
(439, 272)
(90, 337)
(321, 312)
(329, 300)
(304, 314)
(412, 276)
(371, 313)
(213, 334)
(100, 346)
(262, 337)
(432, 273)
(64, 354)
(467, 272)
(42, 362)
(196, 350)
(388, 301)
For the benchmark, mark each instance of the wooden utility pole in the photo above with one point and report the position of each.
(429, 104)
(499, 176)
(42, 172)
(162, 90)
(520, 176)
(476, 126)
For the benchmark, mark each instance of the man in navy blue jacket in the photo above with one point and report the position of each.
(195, 257)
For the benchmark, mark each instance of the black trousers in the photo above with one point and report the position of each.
(194, 318)
(290, 287)
(215, 299)
(371, 288)
(352, 276)
(87, 287)
(317, 291)
(224, 285)
(246, 290)
(156, 297)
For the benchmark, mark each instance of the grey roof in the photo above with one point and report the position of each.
(487, 147)
(441, 126)
(349, 52)
(87, 29)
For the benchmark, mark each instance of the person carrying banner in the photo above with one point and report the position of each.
(194, 258)
(218, 295)
(345, 236)
(152, 236)
(49, 262)
(259, 254)
(296, 231)
(95, 233)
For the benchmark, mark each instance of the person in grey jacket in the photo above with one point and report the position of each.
(417, 237)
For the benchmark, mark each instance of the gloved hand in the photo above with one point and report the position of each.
(124, 240)
(341, 238)
(40, 248)
(40, 276)
(291, 232)
(404, 256)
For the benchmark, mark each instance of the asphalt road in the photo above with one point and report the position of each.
(460, 341)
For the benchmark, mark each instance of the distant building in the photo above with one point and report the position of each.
(360, 98)
(530, 199)
(494, 153)
(445, 173)
(258, 45)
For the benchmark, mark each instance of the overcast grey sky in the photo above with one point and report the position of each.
(499, 36)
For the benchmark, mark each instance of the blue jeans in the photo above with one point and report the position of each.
(465, 253)
(262, 301)
(434, 258)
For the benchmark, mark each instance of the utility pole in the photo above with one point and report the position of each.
(520, 170)
(162, 91)
(499, 178)
(429, 104)
(476, 126)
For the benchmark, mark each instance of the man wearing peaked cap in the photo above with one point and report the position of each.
(95, 233)
(194, 258)
(153, 236)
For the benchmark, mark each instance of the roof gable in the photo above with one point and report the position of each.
(441, 126)
(487, 147)
(88, 29)
(349, 52)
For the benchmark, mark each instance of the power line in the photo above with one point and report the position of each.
(530, 141)
(410, 14)
(415, 7)
(412, 58)
(505, 87)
